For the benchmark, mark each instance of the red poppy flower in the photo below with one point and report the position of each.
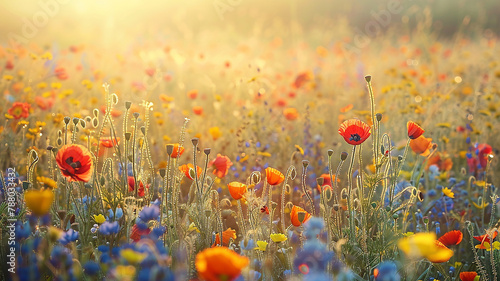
(354, 131)
(483, 151)
(227, 235)
(302, 79)
(198, 110)
(453, 237)
(294, 215)
(109, 142)
(75, 162)
(237, 189)
(468, 275)
(414, 130)
(44, 103)
(177, 151)
(137, 233)
(291, 113)
(20, 110)
(61, 73)
(192, 94)
(187, 167)
(131, 186)
(485, 238)
(221, 164)
(114, 112)
(264, 209)
(273, 176)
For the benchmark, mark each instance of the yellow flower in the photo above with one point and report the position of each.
(299, 149)
(265, 154)
(215, 132)
(39, 201)
(47, 56)
(125, 272)
(132, 256)
(448, 192)
(261, 245)
(425, 245)
(192, 227)
(8, 77)
(479, 206)
(41, 85)
(47, 181)
(278, 237)
(99, 218)
(443, 125)
(488, 246)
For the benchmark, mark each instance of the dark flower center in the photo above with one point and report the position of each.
(355, 137)
(75, 165)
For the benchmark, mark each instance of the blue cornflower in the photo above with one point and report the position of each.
(108, 228)
(149, 213)
(387, 271)
(91, 268)
(68, 237)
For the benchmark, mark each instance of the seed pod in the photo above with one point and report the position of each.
(343, 156)
(75, 121)
(128, 135)
(136, 115)
(330, 152)
(67, 119)
(95, 122)
(114, 98)
(143, 130)
(170, 149)
(379, 116)
(368, 78)
(83, 123)
(128, 104)
(95, 112)
(194, 141)
(163, 172)
(206, 151)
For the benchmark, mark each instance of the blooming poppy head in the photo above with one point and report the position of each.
(136, 233)
(299, 216)
(227, 235)
(177, 151)
(414, 130)
(486, 238)
(421, 145)
(273, 176)
(450, 238)
(75, 162)
(237, 189)
(198, 110)
(291, 113)
(109, 142)
(219, 263)
(192, 94)
(39, 201)
(483, 151)
(468, 275)
(131, 186)
(354, 131)
(20, 110)
(221, 165)
(186, 169)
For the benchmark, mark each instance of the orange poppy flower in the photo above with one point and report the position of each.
(44, 103)
(291, 113)
(273, 176)
(485, 238)
(20, 110)
(185, 169)
(237, 189)
(414, 130)
(468, 275)
(453, 237)
(114, 112)
(421, 145)
(346, 108)
(75, 162)
(198, 110)
(61, 73)
(302, 79)
(354, 131)
(178, 150)
(222, 165)
(192, 94)
(294, 215)
(443, 162)
(108, 142)
(227, 235)
(219, 263)
(39, 201)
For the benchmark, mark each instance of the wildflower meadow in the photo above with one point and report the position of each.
(238, 140)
